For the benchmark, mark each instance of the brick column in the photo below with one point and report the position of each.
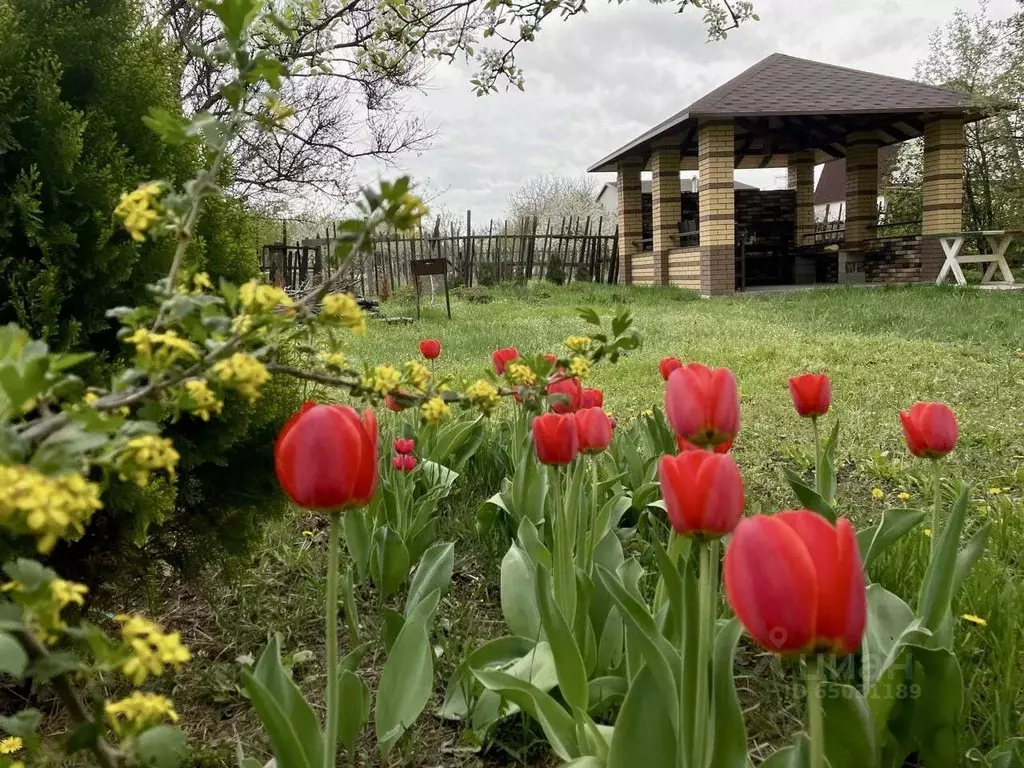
(861, 203)
(717, 201)
(666, 207)
(942, 191)
(801, 180)
(630, 216)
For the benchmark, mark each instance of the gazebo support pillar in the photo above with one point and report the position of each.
(630, 215)
(717, 201)
(801, 181)
(861, 203)
(666, 207)
(943, 190)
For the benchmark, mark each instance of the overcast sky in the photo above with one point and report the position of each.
(596, 81)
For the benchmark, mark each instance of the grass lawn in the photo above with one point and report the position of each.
(883, 348)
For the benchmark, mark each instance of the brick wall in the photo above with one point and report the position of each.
(684, 268)
(800, 177)
(665, 211)
(942, 190)
(643, 268)
(893, 260)
(716, 159)
(630, 216)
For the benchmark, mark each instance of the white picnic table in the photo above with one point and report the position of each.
(999, 239)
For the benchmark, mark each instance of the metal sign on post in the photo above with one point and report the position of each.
(425, 268)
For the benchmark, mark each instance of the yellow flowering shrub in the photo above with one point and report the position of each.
(344, 308)
(384, 380)
(417, 374)
(483, 395)
(150, 649)
(205, 399)
(259, 297)
(145, 454)
(49, 508)
(520, 374)
(334, 359)
(578, 344)
(243, 373)
(163, 349)
(139, 711)
(579, 367)
(139, 210)
(435, 410)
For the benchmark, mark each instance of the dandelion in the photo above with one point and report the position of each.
(903, 496)
(148, 453)
(578, 344)
(927, 532)
(11, 745)
(139, 211)
(995, 491)
(579, 367)
(483, 395)
(974, 619)
(435, 410)
(243, 373)
(141, 710)
(344, 308)
(877, 493)
(204, 399)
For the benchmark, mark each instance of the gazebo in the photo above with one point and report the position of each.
(786, 112)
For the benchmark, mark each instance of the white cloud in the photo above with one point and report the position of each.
(598, 80)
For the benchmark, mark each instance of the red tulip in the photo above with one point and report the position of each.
(556, 438)
(796, 582)
(930, 429)
(592, 398)
(551, 357)
(569, 392)
(703, 493)
(686, 445)
(594, 428)
(702, 404)
(502, 357)
(393, 404)
(404, 445)
(326, 457)
(667, 365)
(812, 394)
(430, 348)
(404, 463)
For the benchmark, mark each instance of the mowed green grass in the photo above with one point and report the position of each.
(883, 348)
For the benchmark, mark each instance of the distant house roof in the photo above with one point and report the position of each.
(831, 186)
(785, 104)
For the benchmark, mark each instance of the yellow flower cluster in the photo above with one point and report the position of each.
(260, 297)
(344, 308)
(385, 380)
(483, 395)
(903, 496)
(201, 282)
(64, 593)
(147, 453)
(241, 323)
(45, 507)
(150, 648)
(877, 493)
(138, 210)
(11, 745)
(414, 207)
(244, 373)
(163, 348)
(417, 374)
(335, 359)
(141, 710)
(578, 344)
(518, 373)
(435, 410)
(579, 367)
(45, 608)
(205, 399)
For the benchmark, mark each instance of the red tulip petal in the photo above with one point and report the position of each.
(721, 494)
(725, 403)
(819, 537)
(854, 598)
(769, 580)
(914, 438)
(684, 410)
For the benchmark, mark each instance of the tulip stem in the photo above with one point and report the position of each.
(936, 505)
(708, 583)
(333, 713)
(818, 484)
(814, 713)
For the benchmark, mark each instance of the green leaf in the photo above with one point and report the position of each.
(588, 315)
(645, 731)
(808, 497)
(357, 539)
(162, 747)
(353, 707)
(284, 738)
(729, 747)
(393, 623)
(895, 524)
(968, 556)
(572, 674)
(529, 537)
(887, 620)
(1009, 754)
(172, 129)
(849, 733)
(558, 726)
(603, 690)
(83, 737)
(433, 572)
(389, 561)
(54, 664)
(796, 756)
(13, 659)
(937, 587)
(235, 15)
(405, 683)
(496, 653)
(519, 594)
(23, 724)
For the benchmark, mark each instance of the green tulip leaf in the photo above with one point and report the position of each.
(389, 561)
(888, 618)
(895, 524)
(393, 623)
(602, 691)
(354, 708)
(589, 761)
(798, 755)
(405, 682)
(968, 556)
(937, 587)
(536, 667)
(729, 748)
(433, 572)
(609, 648)
(849, 732)
(808, 497)
(284, 737)
(519, 594)
(529, 538)
(1009, 754)
(572, 674)
(357, 539)
(495, 654)
(645, 730)
(559, 727)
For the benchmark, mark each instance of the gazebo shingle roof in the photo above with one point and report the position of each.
(784, 104)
